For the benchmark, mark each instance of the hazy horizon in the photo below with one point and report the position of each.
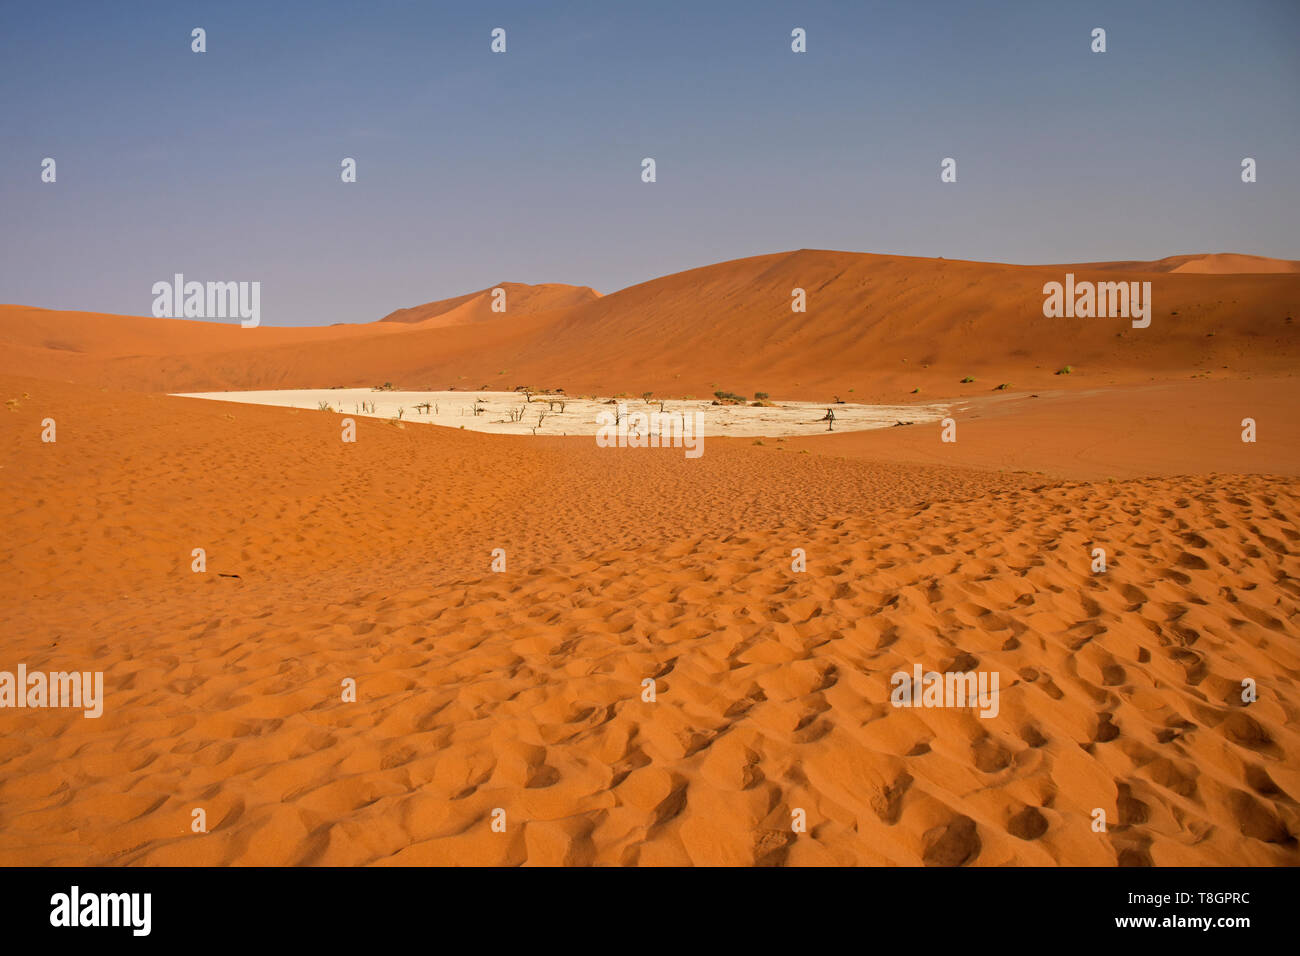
(475, 168)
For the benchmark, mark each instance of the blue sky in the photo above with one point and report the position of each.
(476, 168)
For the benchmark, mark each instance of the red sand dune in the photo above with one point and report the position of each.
(522, 690)
(1216, 263)
(477, 306)
(878, 325)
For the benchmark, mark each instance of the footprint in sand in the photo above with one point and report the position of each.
(1028, 824)
(955, 843)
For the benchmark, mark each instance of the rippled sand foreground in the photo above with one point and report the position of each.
(521, 695)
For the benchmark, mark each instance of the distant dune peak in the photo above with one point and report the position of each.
(1225, 263)
(1204, 263)
(496, 301)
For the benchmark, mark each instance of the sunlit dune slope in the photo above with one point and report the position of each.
(519, 299)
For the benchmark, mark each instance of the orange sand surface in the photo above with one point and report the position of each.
(522, 690)
(1174, 428)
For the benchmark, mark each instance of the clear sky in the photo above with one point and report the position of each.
(476, 168)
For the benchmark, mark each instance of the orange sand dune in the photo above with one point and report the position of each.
(522, 691)
(477, 306)
(877, 328)
(1217, 263)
